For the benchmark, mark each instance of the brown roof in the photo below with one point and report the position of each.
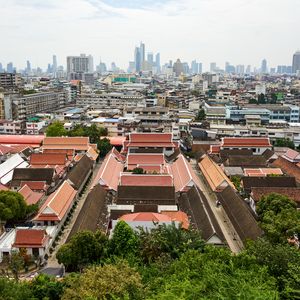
(287, 167)
(196, 206)
(146, 195)
(80, 171)
(291, 192)
(224, 154)
(30, 238)
(281, 181)
(29, 174)
(53, 159)
(239, 214)
(245, 142)
(246, 161)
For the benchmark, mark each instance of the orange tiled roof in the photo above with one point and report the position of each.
(262, 172)
(245, 142)
(30, 238)
(146, 217)
(178, 216)
(52, 159)
(57, 204)
(34, 140)
(129, 179)
(29, 195)
(76, 143)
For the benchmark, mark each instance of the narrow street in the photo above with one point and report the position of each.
(232, 238)
(52, 261)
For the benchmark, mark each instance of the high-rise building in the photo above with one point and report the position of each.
(77, 65)
(157, 62)
(28, 66)
(91, 64)
(178, 67)
(229, 68)
(296, 62)
(101, 68)
(113, 67)
(1, 68)
(54, 65)
(240, 69)
(248, 69)
(150, 58)
(213, 67)
(194, 67)
(10, 68)
(137, 59)
(264, 66)
(200, 68)
(142, 53)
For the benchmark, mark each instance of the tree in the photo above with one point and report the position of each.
(12, 290)
(13, 206)
(261, 99)
(236, 180)
(56, 129)
(84, 248)
(253, 101)
(200, 115)
(104, 146)
(138, 171)
(16, 264)
(117, 281)
(284, 142)
(124, 241)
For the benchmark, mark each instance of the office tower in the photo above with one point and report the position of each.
(101, 68)
(200, 68)
(1, 68)
(131, 67)
(229, 68)
(194, 67)
(10, 68)
(91, 64)
(78, 65)
(213, 67)
(272, 70)
(296, 62)
(264, 67)
(28, 66)
(137, 59)
(49, 69)
(157, 61)
(240, 69)
(113, 67)
(142, 53)
(150, 58)
(178, 67)
(186, 68)
(248, 69)
(289, 69)
(54, 64)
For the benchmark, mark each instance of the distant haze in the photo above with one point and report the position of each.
(238, 31)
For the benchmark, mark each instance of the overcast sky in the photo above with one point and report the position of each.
(238, 31)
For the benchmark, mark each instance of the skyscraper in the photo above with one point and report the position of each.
(264, 67)
(142, 53)
(1, 68)
(54, 65)
(248, 70)
(213, 67)
(150, 58)
(296, 62)
(137, 59)
(10, 68)
(157, 61)
(91, 63)
(200, 68)
(28, 66)
(178, 67)
(194, 67)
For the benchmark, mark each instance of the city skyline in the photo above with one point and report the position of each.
(187, 30)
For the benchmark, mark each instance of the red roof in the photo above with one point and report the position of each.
(145, 217)
(178, 216)
(246, 142)
(145, 159)
(29, 195)
(30, 238)
(67, 143)
(35, 185)
(52, 159)
(129, 179)
(34, 140)
(115, 140)
(4, 149)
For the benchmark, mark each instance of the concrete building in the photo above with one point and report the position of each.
(296, 62)
(78, 65)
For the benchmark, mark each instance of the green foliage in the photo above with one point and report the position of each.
(261, 99)
(16, 264)
(46, 287)
(138, 171)
(56, 129)
(84, 248)
(253, 101)
(200, 115)
(12, 290)
(279, 217)
(236, 180)
(104, 146)
(13, 206)
(117, 281)
(93, 132)
(284, 142)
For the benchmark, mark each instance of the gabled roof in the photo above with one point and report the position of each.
(213, 174)
(29, 174)
(7, 168)
(80, 171)
(178, 216)
(246, 142)
(109, 172)
(281, 181)
(288, 167)
(57, 204)
(262, 172)
(183, 174)
(29, 195)
(239, 214)
(4, 149)
(68, 152)
(146, 217)
(35, 185)
(51, 159)
(292, 155)
(33, 140)
(225, 154)
(92, 154)
(136, 159)
(76, 143)
(30, 238)
(246, 161)
(129, 179)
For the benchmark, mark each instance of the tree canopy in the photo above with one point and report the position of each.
(104, 146)
(284, 142)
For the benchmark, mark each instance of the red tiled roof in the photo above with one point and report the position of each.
(115, 140)
(245, 142)
(150, 137)
(145, 159)
(292, 155)
(4, 149)
(3, 187)
(30, 238)
(76, 143)
(215, 149)
(262, 172)
(68, 152)
(57, 204)
(129, 179)
(288, 167)
(52, 159)
(29, 195)
(178, 216)
(34, 140)
(146, 217)
(35, 185)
